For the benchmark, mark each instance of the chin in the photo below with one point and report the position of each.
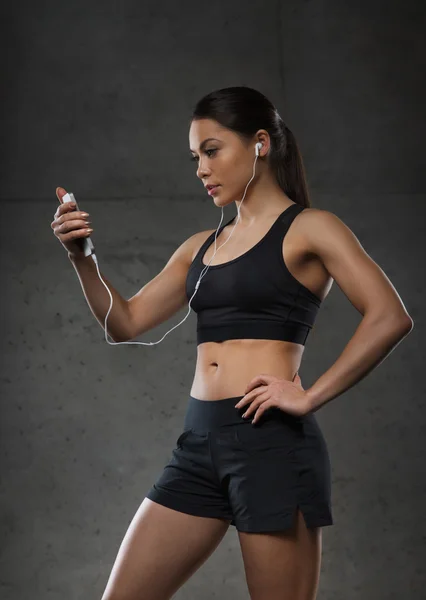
(221, 200)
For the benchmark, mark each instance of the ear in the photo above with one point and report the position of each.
(263, 137)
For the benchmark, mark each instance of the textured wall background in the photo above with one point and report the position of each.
(97, 99)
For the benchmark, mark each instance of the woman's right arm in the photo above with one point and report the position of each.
(99, 300)
(165, 295)
(156, 301)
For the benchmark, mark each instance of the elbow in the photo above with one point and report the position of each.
(405, 322)
(121, 339)
(401, 323)
(407, 325)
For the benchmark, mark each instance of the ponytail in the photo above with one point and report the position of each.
(289, 169)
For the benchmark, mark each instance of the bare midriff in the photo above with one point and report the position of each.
(224, 369)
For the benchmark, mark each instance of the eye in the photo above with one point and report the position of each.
(195, 158)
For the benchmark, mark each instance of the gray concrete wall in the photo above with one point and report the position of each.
(97, 99)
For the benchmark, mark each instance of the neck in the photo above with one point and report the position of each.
(262, 202)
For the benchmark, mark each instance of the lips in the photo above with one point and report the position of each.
(212, 190)
(210, 186)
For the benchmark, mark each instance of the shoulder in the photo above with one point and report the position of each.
(317, 223)
(311, 217)
(189, 248)
(321, 229)
(198, 239)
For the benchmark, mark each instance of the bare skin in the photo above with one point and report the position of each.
(164, 547)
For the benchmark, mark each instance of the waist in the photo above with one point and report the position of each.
(224, 369)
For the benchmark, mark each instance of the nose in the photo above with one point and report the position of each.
(202, 171)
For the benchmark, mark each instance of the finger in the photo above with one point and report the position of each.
(249, 411)
(250, 397)
(264, 406)
(60, 193)
(259, 379)
(69, 225)
(255, 404)
(254, 382)
(64, 208)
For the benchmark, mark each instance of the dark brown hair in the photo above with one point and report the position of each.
(244, 111)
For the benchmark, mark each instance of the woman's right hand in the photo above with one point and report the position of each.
(70, 225)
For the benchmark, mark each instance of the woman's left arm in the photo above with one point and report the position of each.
(385, 321)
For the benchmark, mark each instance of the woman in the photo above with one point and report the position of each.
(266, 472)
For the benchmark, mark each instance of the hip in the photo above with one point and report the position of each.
(276, 430)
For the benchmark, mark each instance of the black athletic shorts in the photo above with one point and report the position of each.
(253, 475)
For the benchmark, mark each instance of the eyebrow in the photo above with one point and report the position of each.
(203, 143)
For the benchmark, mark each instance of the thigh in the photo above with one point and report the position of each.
(283, 565)
(161, 549)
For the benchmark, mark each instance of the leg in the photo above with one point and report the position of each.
(283, 565)
(162, 548)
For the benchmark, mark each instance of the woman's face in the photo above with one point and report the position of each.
(224, 160)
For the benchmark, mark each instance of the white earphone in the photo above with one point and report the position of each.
(258, 146)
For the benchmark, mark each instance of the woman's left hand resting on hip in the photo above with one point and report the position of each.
(265, 391)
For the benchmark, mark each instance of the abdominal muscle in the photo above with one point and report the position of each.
(224, 369)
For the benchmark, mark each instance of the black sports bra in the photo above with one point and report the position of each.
(253, 296)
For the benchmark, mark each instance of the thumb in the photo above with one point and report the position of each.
(60, 193)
